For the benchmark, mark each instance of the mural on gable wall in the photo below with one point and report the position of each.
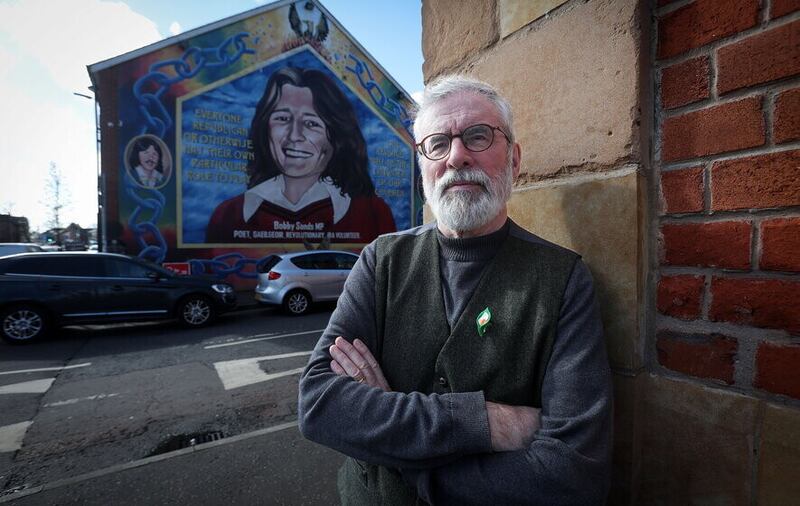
(272, 133)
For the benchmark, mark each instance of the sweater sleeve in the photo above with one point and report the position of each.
(569, 460)
(387, 428)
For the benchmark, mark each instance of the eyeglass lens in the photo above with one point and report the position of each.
(475, 138)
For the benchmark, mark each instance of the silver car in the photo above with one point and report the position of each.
(296, 280)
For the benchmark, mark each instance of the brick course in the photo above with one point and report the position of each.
(780, 245)
(727, 127)
(683, 190)
(703, 356)
(685, 83)
(756, 182)
(783, 7)
(703, 21)
(778, 368)
(680, 296)
(761, 58)
(787, 116)
(767, 303)
(722, 244)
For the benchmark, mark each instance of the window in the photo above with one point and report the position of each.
(268, 263)
(304, 261)
(26, 266)
(120, 268)
(345, 261)
(73, 266)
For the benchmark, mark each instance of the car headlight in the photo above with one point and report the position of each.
(221, 288)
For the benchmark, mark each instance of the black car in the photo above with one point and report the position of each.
(40, 291)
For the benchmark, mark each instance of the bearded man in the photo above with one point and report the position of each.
(465, 361)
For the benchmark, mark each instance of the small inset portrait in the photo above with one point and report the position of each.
(148, 161)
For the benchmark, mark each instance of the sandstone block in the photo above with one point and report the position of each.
(697, 445)
(453, 30)
(514, 14)
(600, 220)
(573, 84)
(779, 457)
(627, 435)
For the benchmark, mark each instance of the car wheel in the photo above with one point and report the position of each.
(297, 302)
(195, 311)
(22, 324)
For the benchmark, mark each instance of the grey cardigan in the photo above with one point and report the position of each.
(437, 437)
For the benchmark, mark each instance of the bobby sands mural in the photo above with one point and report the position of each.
(308, 177)
(268, 132)
(286, 153)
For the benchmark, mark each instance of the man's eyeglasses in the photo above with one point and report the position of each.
(476, 138)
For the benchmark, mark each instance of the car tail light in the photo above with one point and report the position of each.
(272, 275)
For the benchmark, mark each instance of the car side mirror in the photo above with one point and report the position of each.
(153, 275)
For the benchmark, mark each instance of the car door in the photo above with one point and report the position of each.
(319, 274)
(69, 283)
(344, 264)
(133, 290)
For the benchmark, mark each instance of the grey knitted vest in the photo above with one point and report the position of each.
(522, 286)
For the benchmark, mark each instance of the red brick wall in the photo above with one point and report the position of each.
(727, 158)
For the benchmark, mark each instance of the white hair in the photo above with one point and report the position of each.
(448, 85)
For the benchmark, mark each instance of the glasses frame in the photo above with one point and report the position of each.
(450, 137)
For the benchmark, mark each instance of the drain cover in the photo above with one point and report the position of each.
(185, 440)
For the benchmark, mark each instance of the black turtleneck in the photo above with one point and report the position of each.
(462, 264)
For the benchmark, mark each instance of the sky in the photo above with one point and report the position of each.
(45, 46)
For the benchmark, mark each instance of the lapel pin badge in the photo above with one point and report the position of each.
(483, 320)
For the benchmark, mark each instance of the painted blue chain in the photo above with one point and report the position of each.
(187, 66)
(158, 121)
(389, 106)
(153, 201)
(220, 268)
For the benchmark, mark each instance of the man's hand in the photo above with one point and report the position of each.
(356, 361)
(511, 427)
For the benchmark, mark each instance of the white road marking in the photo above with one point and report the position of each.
(75, 401)
(45, 369)
(9, 496)
(246, 371)
(39, 386)
(260, 337)
(11, 436)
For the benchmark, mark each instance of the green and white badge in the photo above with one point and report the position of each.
(483, 320)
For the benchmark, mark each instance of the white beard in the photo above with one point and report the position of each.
(462, 211)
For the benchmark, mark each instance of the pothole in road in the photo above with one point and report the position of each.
(181, 441)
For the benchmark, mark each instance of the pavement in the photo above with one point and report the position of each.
(271, 466)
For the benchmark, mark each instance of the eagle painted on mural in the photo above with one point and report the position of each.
(309, 23)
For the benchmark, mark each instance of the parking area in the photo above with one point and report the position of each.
(101, 400)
